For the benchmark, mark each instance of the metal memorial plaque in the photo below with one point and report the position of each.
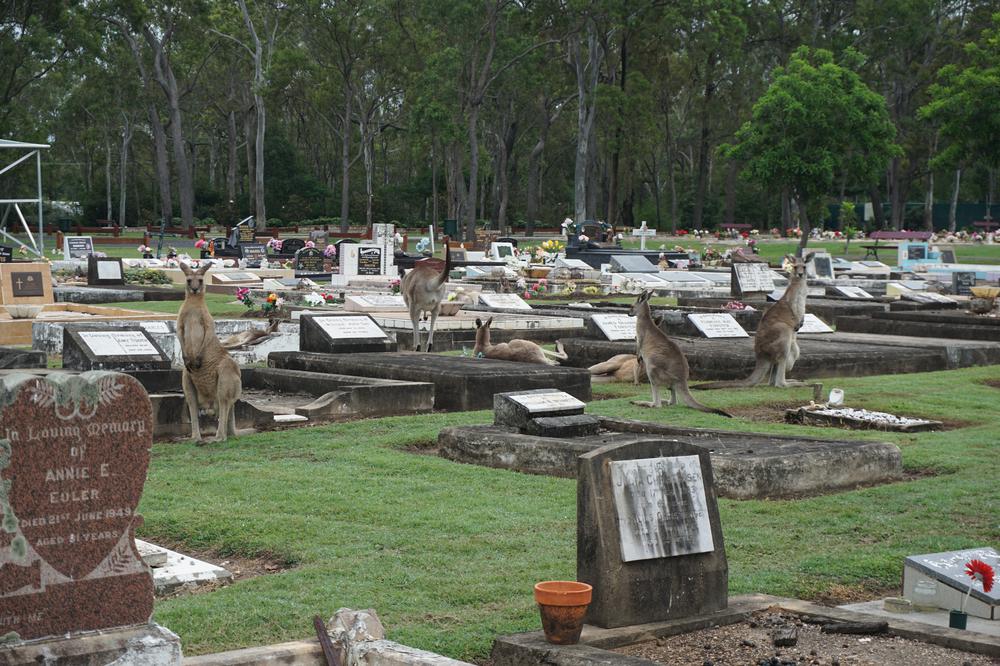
(369, 260)
(27, 283)
(109, 269)
(813, 324)
(661, 507)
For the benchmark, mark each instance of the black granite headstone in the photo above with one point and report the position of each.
(102, 348)
(309, 260)
(517, 408)
(254, 253)
(649, 538)
(105, 271)
(342, 334)
(369, 260)
(6, 254)
(962, 282)
(948, 257)
(77, 247)
(292, 245)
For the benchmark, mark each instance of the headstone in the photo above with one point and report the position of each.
(247, 234)
(649, 539)
(459, 254)
(74, 453)
(615, 326)
(125, 349)
(853, 292)
(948, 257)
(718, 325)
(28, 284)
(516, 409)
(500, 301)
(911, 252)
(292, 245)
(962, 282)
(822, 265)
(234, 277)
(939, 579)
(342, 334)
(375, 303)
(578, 264)
(632, 263)
(500, 251)
(309, 260)
(254, 253)
(813, 324)
(750, 278)
(105, 271)
(220, 244)
(6, 254)
(370, 260)
(384, 236)
(77, 247)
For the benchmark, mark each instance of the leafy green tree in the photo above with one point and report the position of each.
(816, 121)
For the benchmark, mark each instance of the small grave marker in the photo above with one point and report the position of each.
(500, 251)
(29, 284)
(649, 538)
(853, 292)
(962, 282)
(105, 271)
(750, 278)
(233, 277)
(111, 349)
(375, 303)
(578, 264)
(337, 334)
(947, 571)
(813, 324)
(615, 326)
(632, 263)
(500, 301)
(948, 257)
(718, 325)
(822, 266)
(77, 247)
(516, 409)
(309, 260)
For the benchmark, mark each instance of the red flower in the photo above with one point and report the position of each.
(979, 570)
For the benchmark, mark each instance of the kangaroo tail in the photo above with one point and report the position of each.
(760, 374)
(447, 265)
(688, 399)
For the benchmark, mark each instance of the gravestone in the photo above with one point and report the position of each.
(945, 583)
(125, 349)
(853, 292)
(948, 257)
(292, 245)
(718, 325)
(105, 271)
(822, 265)
(517, 408)
(27, 283)
(573, 264)
(246, 234)
(614, 326)
(77, 247)
(220, 245)
(375, 303)
(384, 236)
(649, 539)
(254, 253)
(629, 263)
(342, 334)
(750, 278)
(500, 251)
(500, 301)
(459, 254)
(309, 260)
(6, 254)
(916, 251)
(962, 282)
(75, 453)
(370, 260)
(813, 324)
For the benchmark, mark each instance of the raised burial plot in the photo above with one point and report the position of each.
(858, 419)
(926, 323)
(460, 383)
(19, 331)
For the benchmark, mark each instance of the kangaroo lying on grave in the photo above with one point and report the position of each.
(620, 368)
(423, 289)
(523, 351)
(775, 346)
(664, 361)
(250, 336)
(211, 377)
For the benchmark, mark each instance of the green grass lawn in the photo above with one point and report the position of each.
(221, 306)
(447, 553)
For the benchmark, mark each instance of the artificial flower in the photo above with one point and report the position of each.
(978, 570)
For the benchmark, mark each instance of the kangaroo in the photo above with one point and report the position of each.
(620, 368)
(423, 290)
(523, 351)
(251, 336)
(664, 361)
(211, 378)
(775, 346)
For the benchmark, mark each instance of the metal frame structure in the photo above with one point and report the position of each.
(29, 150)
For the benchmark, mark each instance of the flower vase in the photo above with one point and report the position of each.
(957, 619)
(563, 607)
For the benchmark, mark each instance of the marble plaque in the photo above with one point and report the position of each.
(340, 327)
(109, 270)
(510, 301)
(813, 324)
(615, 326)
(661, 507)
(118, 343)
(375, 303)
(542, 403)
(753, 277)
(718, 325)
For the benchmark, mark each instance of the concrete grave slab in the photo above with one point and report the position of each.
(632, 263)
(175, 571)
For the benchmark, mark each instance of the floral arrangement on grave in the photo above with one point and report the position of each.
(330, 251)
(201, 244)
(981, 573)
(536, 290)
(752, 244)
(736, 305)
(458, 294)
(275, 244)
(553, 246)
(144, 250)
(794, 232)
(711, 254)
(592, 290)
(272, 303)
(394, 285)
(23, 250)
(629, 286)
(315, 298)
(171, 252)
(309, 245)
(243, 295)
(682, 232)
(568, 289)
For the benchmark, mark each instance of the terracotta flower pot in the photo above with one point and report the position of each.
(563, 605)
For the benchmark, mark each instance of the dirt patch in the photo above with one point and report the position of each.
(751, 642)
(838, 595)
(993, 383)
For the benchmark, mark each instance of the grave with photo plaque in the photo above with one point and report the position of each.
(77, 451)
(813, 324)
(77, 247)
(649, 539)
(105, 271)
(500, 251)
(342, 334)
(309, 260)
(628, 263)
(944, 583)
(504, 301)
(614, 326)
(125, 349)
(6, 254)
(253, 253)
(718, 325)
(750, 278)
(962, 282)
(27, 283)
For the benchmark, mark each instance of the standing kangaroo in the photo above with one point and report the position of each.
(523, 351)
(211, 377)
(775, 346)
(664, 361)
(423, 290)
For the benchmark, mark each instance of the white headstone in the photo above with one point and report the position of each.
(542, 403)
(109, 270)
(615, 326)
(118, 343)
(718, 325)
(580, 264)
(753, 277)
(853, 292)
(813, 324)
(500, 251)
(510, 301)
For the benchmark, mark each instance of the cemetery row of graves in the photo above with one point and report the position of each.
(435, 468)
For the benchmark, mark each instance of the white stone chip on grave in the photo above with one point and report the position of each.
(813, 324)
(615, 326)
(718, 325)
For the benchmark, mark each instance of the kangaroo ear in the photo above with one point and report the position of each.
(810, 257)
(184, 268)
(489, 321)
(479, 322)
(204, 268)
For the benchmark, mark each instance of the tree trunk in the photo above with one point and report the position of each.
(897, 199)
(586, 85)
(161, 165)
(345, 160)
(368, 157)
(232, 165)
(701, 184)
(804, 226)
(473, 190)
(258, 101)
(434, 185)
(953, 207)
(107, 177)
(732, 170)
(123, 169)
(786, 212)
(929, 203)
(249, 120)
(877, 211)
